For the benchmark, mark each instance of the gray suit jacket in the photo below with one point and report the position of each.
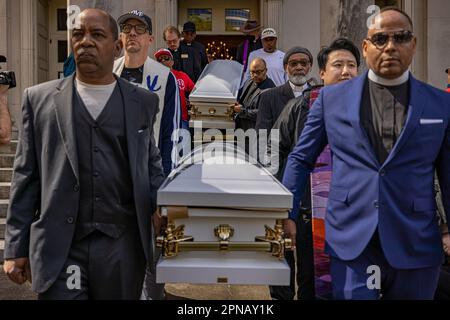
(45, 187)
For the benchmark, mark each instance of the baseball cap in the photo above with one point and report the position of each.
(447, 70)
(138, 15)
(189, 27)
(162, 52)
(269, 33)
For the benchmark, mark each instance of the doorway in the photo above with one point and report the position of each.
(58, 44)
(218, 23)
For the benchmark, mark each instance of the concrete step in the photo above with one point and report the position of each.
(4, 190)
(9, 148)
(6, 174)
(7, 160)
(3, 207)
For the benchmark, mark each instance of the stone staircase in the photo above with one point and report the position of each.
(6, 163)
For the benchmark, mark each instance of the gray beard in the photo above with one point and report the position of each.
(298, 80)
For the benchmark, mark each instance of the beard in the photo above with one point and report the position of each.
(298, 80)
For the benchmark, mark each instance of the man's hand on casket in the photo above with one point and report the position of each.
(18, 270)
(446, 243)
(290, 230)
(159, 223)
(237, 108)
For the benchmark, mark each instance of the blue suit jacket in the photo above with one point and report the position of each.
(396, 196)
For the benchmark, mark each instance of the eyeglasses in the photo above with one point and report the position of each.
(161, 59)
(380, 40)
(257, 72)
(140, 28)
(295, 63)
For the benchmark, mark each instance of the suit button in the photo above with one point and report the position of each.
(76, 188)
(382, 173)
(70, 220)
(96, 149)
(96, 174)
(376, 204)
(97, 199)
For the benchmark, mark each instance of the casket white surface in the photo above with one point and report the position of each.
(224, 221)
(215, 93)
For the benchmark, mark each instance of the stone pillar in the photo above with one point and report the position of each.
(114, 8)
(275, 18)
(263, 12)
(165, 15)
(28, 52)
(10, 11)
(3, 28)
(438, 42)
(417, 10)
(344, 18)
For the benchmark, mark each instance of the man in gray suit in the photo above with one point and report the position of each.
(85, 177)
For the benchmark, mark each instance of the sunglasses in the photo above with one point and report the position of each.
(161, 59)
(140, 29)
(380, 40)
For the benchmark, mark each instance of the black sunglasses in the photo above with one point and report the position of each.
(164, 59)
(380, 40)
(140, 29)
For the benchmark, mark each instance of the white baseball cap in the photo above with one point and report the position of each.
(269, 33)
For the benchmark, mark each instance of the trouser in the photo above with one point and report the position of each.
(443, 288)
(151, 289)
(101, 267)
(357, 279)
(305, 264)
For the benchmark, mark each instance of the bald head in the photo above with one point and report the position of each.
(258, 62)
(111, 21)
(258, 70)
(390, 44)
(388, 14)
(95, 45)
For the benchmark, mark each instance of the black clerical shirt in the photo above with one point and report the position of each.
(383, 115)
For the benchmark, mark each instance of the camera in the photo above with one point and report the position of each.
(7, 77)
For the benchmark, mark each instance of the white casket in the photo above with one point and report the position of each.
(224, 221)
(215, 94)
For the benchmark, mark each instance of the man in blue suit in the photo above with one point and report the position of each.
(388, 133)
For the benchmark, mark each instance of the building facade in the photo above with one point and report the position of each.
(34, 36)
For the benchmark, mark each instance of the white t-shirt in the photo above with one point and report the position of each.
(95, 97)
(274, 62)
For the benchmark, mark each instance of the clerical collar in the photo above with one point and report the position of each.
(298, 88)
(389, 82)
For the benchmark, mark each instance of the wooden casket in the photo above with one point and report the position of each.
(225, 221)
(215, 94)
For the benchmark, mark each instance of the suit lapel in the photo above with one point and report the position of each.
(64, 115)
(415, 109)
(354, 108)
(287, 91)
(132, 120)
